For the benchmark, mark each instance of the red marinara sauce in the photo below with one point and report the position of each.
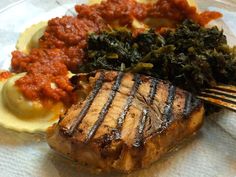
(62, 48)
(5, 75)
(44, 67)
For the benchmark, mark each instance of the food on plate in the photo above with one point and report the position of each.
(63, 46)
(190, 2)
(18, 113)
(191, 57)
(30, 37)
(49, 50)
(128, 117)
(126, 122)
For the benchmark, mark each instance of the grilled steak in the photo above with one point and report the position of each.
(126, 122)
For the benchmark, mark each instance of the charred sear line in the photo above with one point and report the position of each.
(153, 91)
(105, 108)
(143, 118)
(139, 135)
(84, 110)
(167, 115)
(190, 104)
(121, 118)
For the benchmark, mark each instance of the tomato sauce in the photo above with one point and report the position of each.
(63, 46)
(5, 75)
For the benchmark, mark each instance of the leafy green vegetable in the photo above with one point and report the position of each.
(110, 50)
(192, 57)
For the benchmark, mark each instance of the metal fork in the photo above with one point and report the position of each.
(220, 95)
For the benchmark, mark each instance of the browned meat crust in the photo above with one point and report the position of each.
(126, 122)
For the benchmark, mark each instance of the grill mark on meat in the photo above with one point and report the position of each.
(196, 103)
(143, 118)
(121, 118)
(152, 92)
(167, 115)
(190, 104)
(105, 108)
(141, 126)
(84, 110)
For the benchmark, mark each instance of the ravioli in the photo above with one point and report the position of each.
(149, 22)
(30, 37)
(20, 114)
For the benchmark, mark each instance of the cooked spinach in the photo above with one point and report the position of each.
(191, 56)
(110, 50)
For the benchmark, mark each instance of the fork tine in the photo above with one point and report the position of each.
(223, 96)
(219, 92)
(227, 88)
(218, 102)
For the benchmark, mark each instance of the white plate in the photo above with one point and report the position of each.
(211, 153)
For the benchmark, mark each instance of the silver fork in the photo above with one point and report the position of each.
(220, 95)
